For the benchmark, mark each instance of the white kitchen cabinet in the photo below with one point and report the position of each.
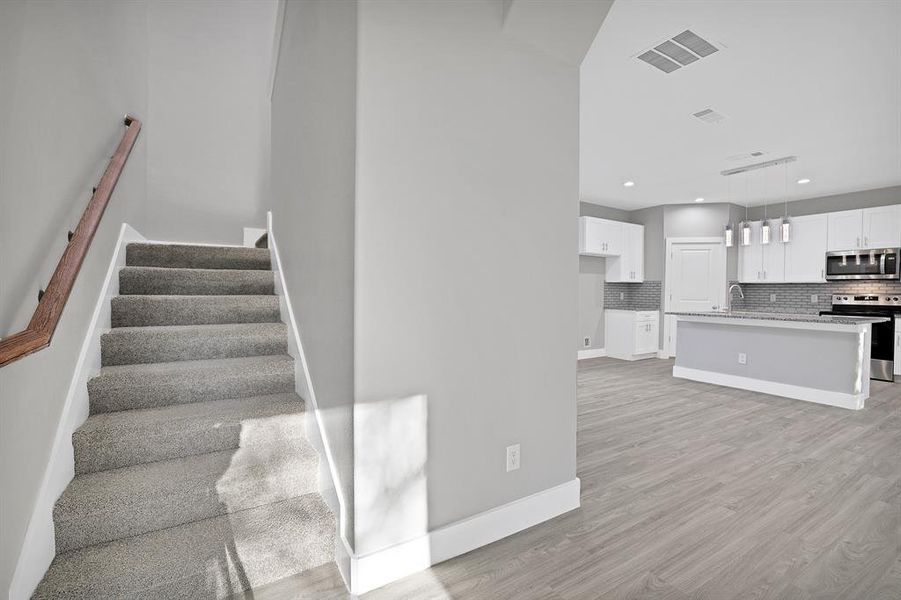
(805, 254)
(762, 263)
(628, 267)
(898, 346)
(631, 334)
(845, 230)
(600, 237)
(882, 227)
(774, 255)
(878, 227)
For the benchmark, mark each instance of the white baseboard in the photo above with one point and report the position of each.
(39, 545)
(663, 354)
(593, 353)
(329, 480)
(839, 399)
(375, 569)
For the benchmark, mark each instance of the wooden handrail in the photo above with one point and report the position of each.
(50, 307)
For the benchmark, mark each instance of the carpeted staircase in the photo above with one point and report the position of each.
(194, 478)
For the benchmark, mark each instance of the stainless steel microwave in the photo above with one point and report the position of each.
(863, 264)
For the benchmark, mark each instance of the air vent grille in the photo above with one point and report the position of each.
(695, 43)
(708, 115)
(659, 61)
(677, 52)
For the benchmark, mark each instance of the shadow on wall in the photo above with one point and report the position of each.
(391, 488)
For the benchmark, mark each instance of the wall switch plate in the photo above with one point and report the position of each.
(772, 297)
(742, 358)
(512, 457)
(622, 296)
(587, 342)
(814, 299)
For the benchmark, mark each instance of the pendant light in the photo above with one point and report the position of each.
(785, 230)
(765, 229)
(745, 226)
(728, 233)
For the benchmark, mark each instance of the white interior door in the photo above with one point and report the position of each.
(695, 276)
(695, 280)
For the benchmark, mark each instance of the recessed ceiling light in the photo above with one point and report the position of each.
(629, 184)
(803, 181)
(699, 199)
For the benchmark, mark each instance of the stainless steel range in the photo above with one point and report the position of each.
(882, 351)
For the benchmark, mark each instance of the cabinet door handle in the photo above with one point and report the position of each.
(866, 240)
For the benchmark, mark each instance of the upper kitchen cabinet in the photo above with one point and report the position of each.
(882, 227)
(805, 254)
(759, 262)
(845, 230)
(600, 237)
(878, 227)
(628, 267)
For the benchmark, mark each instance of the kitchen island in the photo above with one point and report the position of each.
(823, 359)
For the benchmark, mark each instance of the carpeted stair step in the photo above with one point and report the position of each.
(186, 256)
(203, 559)
(111, 505)
(141, 311)
(195, 282)
(126, 438)
(127, 387)
(134, 345)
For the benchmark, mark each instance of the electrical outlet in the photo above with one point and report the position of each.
(587, 342)
(772, 297)
(742, 358)
(512, 457)
(814, 299)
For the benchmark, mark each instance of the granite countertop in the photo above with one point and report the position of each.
(768, 316)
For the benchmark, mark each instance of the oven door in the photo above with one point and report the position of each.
(882, 344)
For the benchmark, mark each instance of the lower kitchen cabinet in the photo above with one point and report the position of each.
(631, 334)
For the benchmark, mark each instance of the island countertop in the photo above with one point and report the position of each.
(784, 317)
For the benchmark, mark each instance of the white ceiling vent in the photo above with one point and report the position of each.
(708, 115)
(677, 52)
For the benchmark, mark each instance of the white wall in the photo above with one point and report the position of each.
(466, 288)
(313, 163)
(68, 77)
(208, 122)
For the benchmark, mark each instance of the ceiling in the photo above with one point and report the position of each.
(817, 79)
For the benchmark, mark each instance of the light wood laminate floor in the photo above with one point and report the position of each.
(691, 490)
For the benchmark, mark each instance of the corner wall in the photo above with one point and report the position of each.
(313, 187)
(466, 261)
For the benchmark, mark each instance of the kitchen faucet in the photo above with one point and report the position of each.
(741, 294)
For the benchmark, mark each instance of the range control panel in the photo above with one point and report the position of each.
(867, 300)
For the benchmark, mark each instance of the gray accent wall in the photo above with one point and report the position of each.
(313, 184)
(592, 271)
(811, 206)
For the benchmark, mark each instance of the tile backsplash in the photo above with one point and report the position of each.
(633, 296)
(796, 297)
